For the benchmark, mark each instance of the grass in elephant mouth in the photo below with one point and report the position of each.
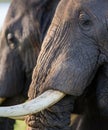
(20, 125)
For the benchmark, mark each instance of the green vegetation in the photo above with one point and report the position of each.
(20, 125)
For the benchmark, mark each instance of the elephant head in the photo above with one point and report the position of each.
(72, 52)
(22, 34)
(74, 48)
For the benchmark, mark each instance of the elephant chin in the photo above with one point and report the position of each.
(45, 100)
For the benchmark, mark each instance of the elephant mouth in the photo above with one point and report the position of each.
(45, 100)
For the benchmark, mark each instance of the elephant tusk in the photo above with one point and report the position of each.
(45, 100)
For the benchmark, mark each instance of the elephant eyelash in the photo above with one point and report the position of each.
(84, 21)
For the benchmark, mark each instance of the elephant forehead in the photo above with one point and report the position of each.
(95, 6)
(71, 9)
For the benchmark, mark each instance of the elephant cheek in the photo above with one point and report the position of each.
(70, 77)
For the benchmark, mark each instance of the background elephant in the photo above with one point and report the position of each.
(24, 28)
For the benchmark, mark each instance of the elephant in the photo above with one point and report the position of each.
(22, 34)
(71, 70)
(73, 60)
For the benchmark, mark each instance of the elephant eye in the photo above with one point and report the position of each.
(84, 21)
(10, 38)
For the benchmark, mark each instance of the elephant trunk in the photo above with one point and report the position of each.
(65, 63)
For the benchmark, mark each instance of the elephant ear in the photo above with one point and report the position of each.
(45, 10)
(102, 89)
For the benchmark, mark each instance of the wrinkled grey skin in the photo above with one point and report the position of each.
(73, 59)
(24, 28)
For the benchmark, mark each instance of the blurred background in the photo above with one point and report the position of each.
(4, 5)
